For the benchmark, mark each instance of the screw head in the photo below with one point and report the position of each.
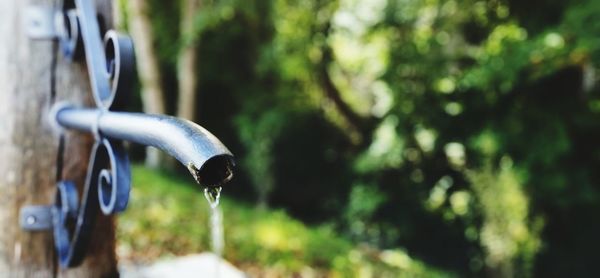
(31, 220)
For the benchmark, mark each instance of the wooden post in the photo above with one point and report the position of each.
(34, 76)
(153, 96)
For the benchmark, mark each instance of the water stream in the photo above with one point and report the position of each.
(212, 195)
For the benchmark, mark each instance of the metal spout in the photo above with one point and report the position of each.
(207, 159)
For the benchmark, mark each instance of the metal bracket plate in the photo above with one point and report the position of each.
(36, 218)
(40, 22)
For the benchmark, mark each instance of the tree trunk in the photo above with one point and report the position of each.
(153, 96)
(187, 66)
(33, 76)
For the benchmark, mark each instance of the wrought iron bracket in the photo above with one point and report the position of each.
(40, 22)
(111, 66)
(36, 218)
(110, 61)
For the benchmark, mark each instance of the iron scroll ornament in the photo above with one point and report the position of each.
(107, 189)
(107, 184)
(111, 67)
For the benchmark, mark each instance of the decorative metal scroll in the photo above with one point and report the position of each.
(111, 66)
(107, 185)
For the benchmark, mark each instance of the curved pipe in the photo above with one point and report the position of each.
(207, 159)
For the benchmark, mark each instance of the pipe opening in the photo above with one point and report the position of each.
(216, 171)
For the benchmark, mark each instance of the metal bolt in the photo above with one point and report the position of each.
(31, 220)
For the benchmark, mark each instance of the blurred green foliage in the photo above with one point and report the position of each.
(464, 131)
(169, 216)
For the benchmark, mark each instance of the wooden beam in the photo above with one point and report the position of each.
(34, 76)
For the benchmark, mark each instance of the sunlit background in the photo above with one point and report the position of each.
(376, 138)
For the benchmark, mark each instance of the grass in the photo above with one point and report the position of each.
(168, 216)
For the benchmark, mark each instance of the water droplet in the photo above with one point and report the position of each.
(212, 195)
